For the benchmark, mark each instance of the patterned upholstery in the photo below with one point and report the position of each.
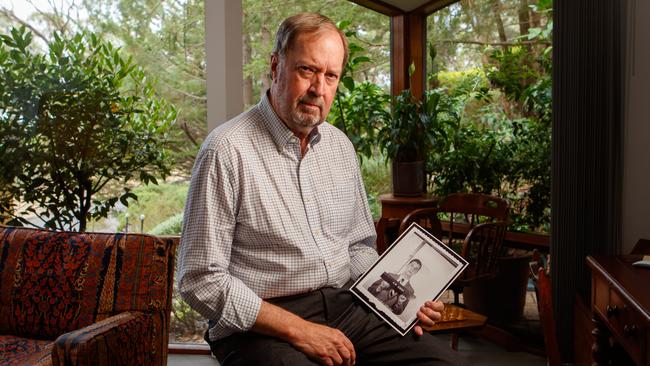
(104, 298)
(24, 351)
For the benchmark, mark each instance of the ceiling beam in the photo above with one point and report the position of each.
(380, 7)
(432, 6)
(387, 8)
(408, 46)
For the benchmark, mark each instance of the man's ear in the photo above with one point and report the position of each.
(275, 60)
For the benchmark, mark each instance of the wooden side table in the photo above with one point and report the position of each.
(397, 208)
(457, 319)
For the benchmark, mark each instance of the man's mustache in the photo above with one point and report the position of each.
(311, 100)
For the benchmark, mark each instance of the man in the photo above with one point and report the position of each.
(277, 224)
(390, 285)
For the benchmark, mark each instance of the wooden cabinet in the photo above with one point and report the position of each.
(620, 302)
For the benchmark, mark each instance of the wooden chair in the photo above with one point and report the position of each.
(463, 211)
(425, 217)
(484, 216)
(481, 248)
(540, 275)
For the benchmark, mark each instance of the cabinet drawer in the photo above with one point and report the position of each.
(627, 325)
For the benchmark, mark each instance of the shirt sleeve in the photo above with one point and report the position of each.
(362, 248)
(208, 230)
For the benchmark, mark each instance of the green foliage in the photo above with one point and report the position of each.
(524, 76)
(158, 203)
(458, 83)
(76, 118)
(359, 113)
(502, 144)
(167, 38)
(171, 226)
(358, 109)
(376, 180)
(415, 127)
(473, 160)
(531, 168)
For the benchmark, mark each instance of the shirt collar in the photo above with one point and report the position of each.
(280, 133)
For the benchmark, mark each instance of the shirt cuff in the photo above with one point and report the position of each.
(239, 312)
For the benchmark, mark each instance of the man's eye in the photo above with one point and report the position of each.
(306, 70)
(331, 77)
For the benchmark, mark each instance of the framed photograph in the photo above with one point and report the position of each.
(415, 268)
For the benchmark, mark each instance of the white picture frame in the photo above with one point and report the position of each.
(395, 288)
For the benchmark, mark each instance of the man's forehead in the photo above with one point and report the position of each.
(306, 40)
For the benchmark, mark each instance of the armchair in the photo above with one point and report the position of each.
(84, 298)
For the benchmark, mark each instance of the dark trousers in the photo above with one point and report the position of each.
(375, 342)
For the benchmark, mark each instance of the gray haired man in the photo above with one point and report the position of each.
(277, 226)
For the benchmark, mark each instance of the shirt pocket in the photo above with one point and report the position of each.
(340, 205)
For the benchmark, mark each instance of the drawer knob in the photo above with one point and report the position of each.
(611, 310)
(629, 329)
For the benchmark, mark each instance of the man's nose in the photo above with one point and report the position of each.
(317, 86)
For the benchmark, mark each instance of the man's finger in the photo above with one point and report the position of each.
(436, 305)
(336, 358)
(418, 330)
(431, 313)
(349, 348)
(344, 353)
(425, 319)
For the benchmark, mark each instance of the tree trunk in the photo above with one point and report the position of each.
(524, 17)
(266, 80)
(496, 11)
(535, 19)
(248, 80)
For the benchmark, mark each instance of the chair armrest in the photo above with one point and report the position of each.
(122, 339)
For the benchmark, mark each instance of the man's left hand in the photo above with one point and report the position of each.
(428, 314)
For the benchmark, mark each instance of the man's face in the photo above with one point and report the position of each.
(305, 80)
(412, 268)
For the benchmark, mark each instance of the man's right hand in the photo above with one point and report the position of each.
(327, 345)
(324, 344)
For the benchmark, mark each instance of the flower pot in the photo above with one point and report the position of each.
(408, 178)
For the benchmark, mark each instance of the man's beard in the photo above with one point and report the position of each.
(306, 119)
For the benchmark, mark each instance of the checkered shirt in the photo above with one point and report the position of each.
(262, 222)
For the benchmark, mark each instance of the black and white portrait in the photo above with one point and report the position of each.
(416, 268)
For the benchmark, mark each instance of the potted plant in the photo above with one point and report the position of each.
(410, 133)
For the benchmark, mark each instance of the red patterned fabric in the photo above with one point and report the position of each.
(53, 283)
(119, 340)
(23, 351)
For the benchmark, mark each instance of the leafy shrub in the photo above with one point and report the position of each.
(76, 119)
(157, 203)
(171, 226)
(474, 159)
(360, 113)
